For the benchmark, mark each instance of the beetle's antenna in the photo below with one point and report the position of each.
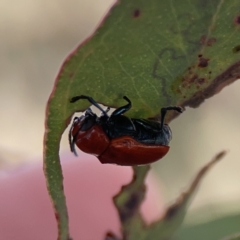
(164, 111)
(72, 145)
(91, 100)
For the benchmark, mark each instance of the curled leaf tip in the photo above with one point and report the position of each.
(220, 155)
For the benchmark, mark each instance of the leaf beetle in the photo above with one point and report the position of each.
(118, 139)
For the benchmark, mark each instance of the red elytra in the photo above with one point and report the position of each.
(117, 139)
(127, 151)
(121, 151)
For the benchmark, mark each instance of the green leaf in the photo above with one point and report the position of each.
(233, 237)
(211, 230)
(157, 53)
(53, 172)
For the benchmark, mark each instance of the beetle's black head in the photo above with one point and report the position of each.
(82, 123)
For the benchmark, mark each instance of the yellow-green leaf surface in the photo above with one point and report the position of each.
(157, 53)
(233, 237)
(214, 229)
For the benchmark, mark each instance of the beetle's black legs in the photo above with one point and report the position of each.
(90, 99)
(122, 109)
(72, 144)
(71, 139)
(164, 111)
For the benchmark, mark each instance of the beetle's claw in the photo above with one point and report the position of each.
(73, 150)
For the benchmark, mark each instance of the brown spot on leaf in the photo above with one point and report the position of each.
(193, 78)
(203, 39)
(190, 70)
(237, 20)
(203, 62)
(188, 80)
(201, 81)
(207, 41)
(224, 79)
(211, 41)
(136, 13)
(236, 49)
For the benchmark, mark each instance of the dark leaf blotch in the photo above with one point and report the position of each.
(237, 20)
(130, 207)
(171, 212)
(203, 62)
(136, 13)
(236, 49)
(133, 202)
(207, 41)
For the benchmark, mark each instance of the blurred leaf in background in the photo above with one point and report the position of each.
(215, 229)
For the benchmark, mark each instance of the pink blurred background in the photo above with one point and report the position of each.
(26, 211)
